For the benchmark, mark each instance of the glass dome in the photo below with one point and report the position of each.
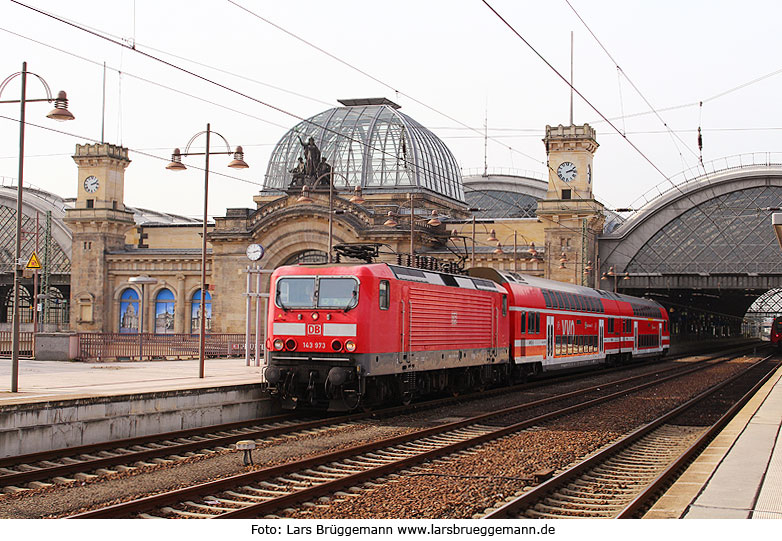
(369, 143)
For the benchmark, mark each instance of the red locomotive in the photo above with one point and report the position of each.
(345, 335)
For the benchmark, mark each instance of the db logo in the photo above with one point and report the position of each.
(313, 328)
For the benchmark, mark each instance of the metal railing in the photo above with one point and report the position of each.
(25, 343)
(109, 346)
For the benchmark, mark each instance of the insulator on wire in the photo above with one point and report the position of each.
(700, 145)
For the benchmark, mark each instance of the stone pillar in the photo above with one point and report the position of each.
(181, 316)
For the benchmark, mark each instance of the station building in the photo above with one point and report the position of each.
(391, 185)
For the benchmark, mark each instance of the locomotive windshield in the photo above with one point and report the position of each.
(317, 292)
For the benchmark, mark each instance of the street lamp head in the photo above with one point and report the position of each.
(390, 222)
(532, 251)
(238, 161)
(176, 161)
(357, 198)
(60, 111)
(305, 196)
(492, 236)
(434, 221)
(498, 249)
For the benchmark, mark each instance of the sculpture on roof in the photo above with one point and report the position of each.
(311, 156)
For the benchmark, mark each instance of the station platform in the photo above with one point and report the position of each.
(66, 404)
(739, 475)
(41, 381)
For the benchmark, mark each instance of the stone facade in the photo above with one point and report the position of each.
(108, 248)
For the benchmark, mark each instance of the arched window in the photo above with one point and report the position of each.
(128, 311)
(195, 312)
(308, 256)
(25, 305)
(164, 312)
(56, 310)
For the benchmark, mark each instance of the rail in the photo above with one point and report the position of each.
(107, 346)
(25, 343)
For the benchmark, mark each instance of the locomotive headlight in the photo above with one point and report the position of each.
(314, 316)
(350, 346)
(290, 344)
(278, 344)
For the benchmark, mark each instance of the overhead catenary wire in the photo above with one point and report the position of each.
(589, 103)
(201, 77)
(225, 87)
(632, 84)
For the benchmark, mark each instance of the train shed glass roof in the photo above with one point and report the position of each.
(369, 143)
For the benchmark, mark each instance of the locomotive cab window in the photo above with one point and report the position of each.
(504, 305)
(317, 292)
(383, 295)
(337, 293)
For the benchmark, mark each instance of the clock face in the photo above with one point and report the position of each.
(254, 252)
(91, 184)
(566, 171)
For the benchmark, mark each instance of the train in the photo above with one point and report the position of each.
(344, 336)
(774, 333)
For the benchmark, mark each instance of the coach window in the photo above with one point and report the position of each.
(523, 325)
(537, 322)
(383, 295)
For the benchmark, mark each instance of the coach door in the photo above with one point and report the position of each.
(600, 340)
(660, 336)
(635, 337)
(549, 337)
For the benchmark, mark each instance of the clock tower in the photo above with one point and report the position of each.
(99, 222)
(572, 218)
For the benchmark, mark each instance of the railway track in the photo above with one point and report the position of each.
(353, 470)
(88, 462)
(625, 477)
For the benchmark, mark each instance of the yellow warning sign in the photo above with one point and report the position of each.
(34, 262)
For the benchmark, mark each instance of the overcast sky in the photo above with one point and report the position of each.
(449, 64)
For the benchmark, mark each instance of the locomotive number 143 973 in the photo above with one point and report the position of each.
(314, 345)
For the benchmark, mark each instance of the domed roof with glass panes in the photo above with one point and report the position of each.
(369, 143)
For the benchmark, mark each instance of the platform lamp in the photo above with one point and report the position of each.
(177, 165)
(356, 198)
(142, 281)
(533, 253)
(60, 113)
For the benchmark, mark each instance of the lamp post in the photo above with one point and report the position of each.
(305, 198)
(615, 275)
(433, 220)
(61, 113)
(142, 281)
(530, 250)
(177, 165)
